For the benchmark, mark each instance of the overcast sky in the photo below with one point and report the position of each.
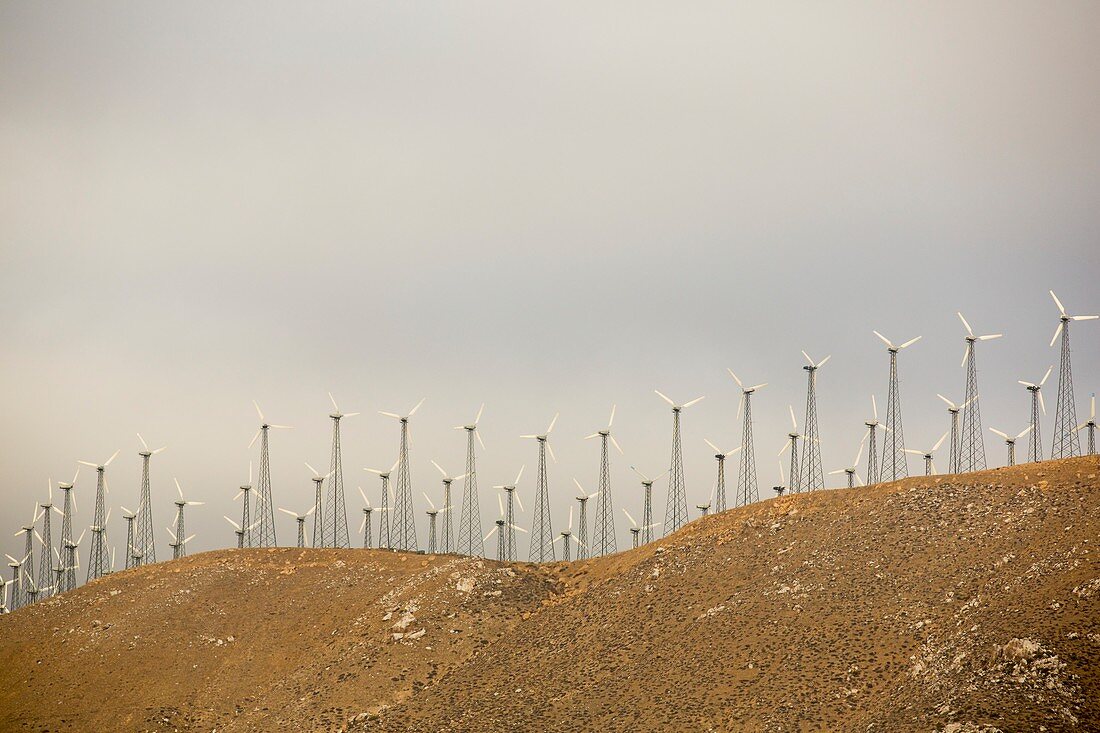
(544, 208)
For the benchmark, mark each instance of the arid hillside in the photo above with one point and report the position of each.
(950, 603)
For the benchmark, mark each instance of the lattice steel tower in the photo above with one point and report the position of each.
(582, 530)
(647, 505)
(265, 504)
(542, 535)
(1010, 443)
(404, 522)
(720, 482)
(335, 518)
(318, 506)
(446, 530)
(1066, 441)
(1090, 425)
(470, 541)
(792, 446)
(98, 558)
(603, 528)
(811, 474)
(953, 411)
(385, 539)
(747, 491)
(872, 443)
(46, 564)
(972, 448)
(894, 463)
(676, 509)
(508, 510)
(1035, 444)
(130, 552)
(27, 564)
(432, 514)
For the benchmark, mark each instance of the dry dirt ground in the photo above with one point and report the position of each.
(953, 603)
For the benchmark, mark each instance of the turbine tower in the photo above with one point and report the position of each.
(972, 449)
(143, 524)
(365, 527)
(499, 531)
(470, 541)
(318, 505)
(636, 530)
(929, 464)
(1010, 442)
(18, 598)
(603, 529)
(509, 514)
(265, 505)
(850, 471)
(132, 558)
(1066, 442)
(792, 446)
(582, 531)
(98, 557)
(720, 483)
(237, 530)
(404, 522)
(676, 509)
(385, 539)
(872, 440)
(1091, 425)
(565, 536)
(335, 518)
(894, 465)
(647, 504)
(246, 509)
(68, 507)
(45, 565)
(542, 535)
(747, 491)
(27, 563)
(811, 477)
(1035, 447)
(180, 548)
(953, 410)
(447, 537)
(432, 514)
(300, 519)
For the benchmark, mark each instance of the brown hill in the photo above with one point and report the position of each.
(953, 603)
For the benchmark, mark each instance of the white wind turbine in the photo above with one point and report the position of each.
(1066, 443)
(447, 530)
(299, 518)
(953, 410)
(318, 504)
(972, 440)
(582, 532)
(676, 510)
(264, 502)
(246, 508)
(542, 533)
(792, 446)
(636, 530)
(929, 464)
(565, 536)
(385, 539)
(603, 525)
(894, 465)
(853, 477)
(647, 504)
(1090, 424)
(403, 525)
(365, 526)
(508, 512)
(1010, 442)
(334, 511)
(747, 491)
(718, 492)
(180, 504)
(1035, 448)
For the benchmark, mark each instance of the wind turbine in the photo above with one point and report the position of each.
(100, 531)
(1066, 442)
(143, 524)
(404, 523)
(894, 465)
(853, 477)
(180, 550)
(720, 483)
(237, 530)
(246, 510)
(542, 535)
(782, 480)
(98, 558)
(72, 562)
(792, 446)
(1010, 441)
(498, 530)
(603, 529)
(872, 438)
(365, 527)
(1035, 449)
(318, 505)
(647, 504)
(972, 455)
(470, 541)
(18, 595)
(582, 536)
(69, 506)
(447, 532)
(811, 477)
(953, 410)
(747, 491)
(335, 517)
(929, 465)
(509, 515)
(635, 530)
(27, 563)
(264, 502)
(676, 510)
(385, 539)
(45, 566)
(1091, 425)
(132, 559)
(301, 520)
(565, 536)
(432, 514)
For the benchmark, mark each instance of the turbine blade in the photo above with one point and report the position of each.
(794, 423)
(1058, 302)
(1084, 318)
(418, 404)
(611, 420)
(965, 324)
(1057, 332)
(551, 427)
(254, 437)
(394, 415)
(335, 407)
(735, 377)
(822, 362)
(439, 468)
(939, 442)
(1045, 376)
(990, 336)
(550, 450)
(1042, 403)
(259, 412)
(143, 443)
(477, 433)
(689, 404)
(316, 473)
(884, 339)
(632, 522)
(479, 411)
(518, 475)
(113, 457)
(874, 406)
(910, 342)
(616, 444)
(713, 447)
(659, 394)
(430, 502)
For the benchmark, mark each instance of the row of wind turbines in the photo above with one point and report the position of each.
(396, 529)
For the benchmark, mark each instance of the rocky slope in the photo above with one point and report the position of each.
(951, 603)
